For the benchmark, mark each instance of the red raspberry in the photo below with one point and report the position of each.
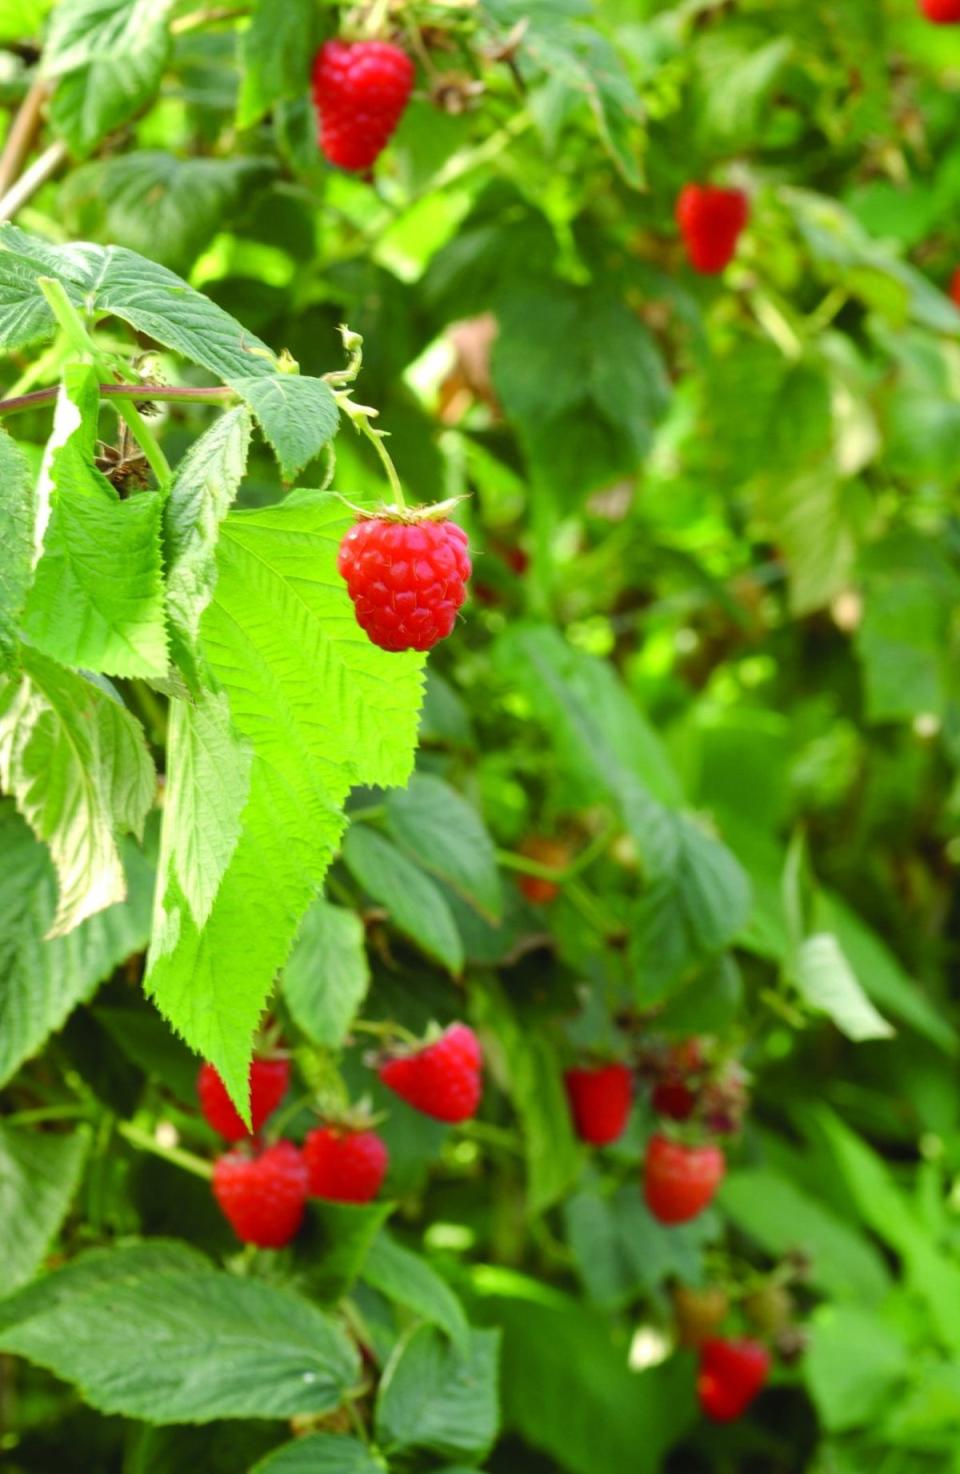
(710, 221)
(263, 1197)
(360, 91)
(269, 1079)
(680, 1181)
(600, 1101)
(942, 12)
(673, 1099)
(345, 1166)
(731, 1375)
(406, 579)
(955, 282)
(442, 1080)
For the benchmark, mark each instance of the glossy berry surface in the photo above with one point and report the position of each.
(600, 1102)
(710, 221)
(444, 1080)
(345, 1166)
(269, 1079)
(732, 1373)
(360, 91)
(680, 1181)
(942, 12)
(407, 580)
(263, 1197)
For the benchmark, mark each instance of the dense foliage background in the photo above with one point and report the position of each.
(711, 652)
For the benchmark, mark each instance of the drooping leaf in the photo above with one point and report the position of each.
(828, 984)
(39, 1173)
(41, 981)
(417, 907)
(108, 57)
(16, 539)
(321, 709)
(439, 1399)
(154, 1332)
(408, 1279)
(327, 975)
(275, 53)
(77, 764)
(204, 486)
(447, 836)
(97, 597)
(320, 1453)
(298, 415)
(332, 1247)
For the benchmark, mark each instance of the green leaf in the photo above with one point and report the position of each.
(436, 1398)
(320, 1453)
(534, 1082)
(297, 415)
(448, 837)
(416, 906)
(735, 78)
(327, 975)
(334, 1245)
(16, 539)
(109, 56)
(321, 710)
(853, 1365)
(39, 1174)
(42, 981)
(20, 19)
(97, 597)
(622, 1251)
(275, 52)
(205, 484)
(165, 207)
(694, 910)
(408, 1279)
(77, 764)
(828, 984)
(158, 1334)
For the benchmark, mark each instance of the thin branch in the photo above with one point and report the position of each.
(218, 394)
(42, 169)
(210, 16)
(23, 130)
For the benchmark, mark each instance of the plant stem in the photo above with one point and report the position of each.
(46, 1113)
(75, 331)
(32, 179)
(210, 16)
(163, 393)
(359, 416)
(144, 1142)
(23, 130)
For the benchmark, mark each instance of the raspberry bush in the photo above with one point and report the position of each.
(479, 714)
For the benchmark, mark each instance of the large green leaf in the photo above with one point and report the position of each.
(417, 907)
(77, 764)
(622, 1251)
(205, 484)
(297, 415)
(109, 57)
(16, 539)
(440, 1399)
(408, 1279)
(321, 709)
(855, 1362)
(41, 980)
(448, 837)
(97, 596)
(153, 1332)
(39, 1173)
(275, 52)
(327, 975)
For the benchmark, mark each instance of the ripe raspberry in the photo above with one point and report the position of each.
(698, 1314)
(550, 852)
(406, 579)
(262, 1197)
(600, 1101)
(942, 12)
(955, 280)
(443, 1080)
(731, 1375)
(680, 1181)
(360, 91)
(710, 221)
(345, 1166)
(269, 1079)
